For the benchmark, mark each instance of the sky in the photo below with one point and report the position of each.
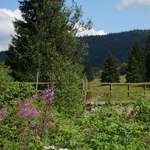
(109, 16)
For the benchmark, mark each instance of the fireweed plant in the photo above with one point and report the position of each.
(31, 117)
(3, 112)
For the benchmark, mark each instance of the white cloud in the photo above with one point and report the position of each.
(6, 26)
(129, 3)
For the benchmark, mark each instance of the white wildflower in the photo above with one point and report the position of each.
(50, 148)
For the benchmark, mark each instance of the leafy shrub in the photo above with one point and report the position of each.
(5, 78)
(142, 110)
(68, 86)
(104, 128)
(16, 91)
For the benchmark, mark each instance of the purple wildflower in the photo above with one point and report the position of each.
(34, 96)
(33, 124)
(27, 112)
(49, 124)
(3, 112)
(26, 105)
(49, 95)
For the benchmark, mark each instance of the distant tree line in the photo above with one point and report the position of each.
(136, 70)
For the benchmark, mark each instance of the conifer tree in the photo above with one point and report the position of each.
(110, 72)
(89, 72)
(136, 65)
(45, 42)
(47, 29)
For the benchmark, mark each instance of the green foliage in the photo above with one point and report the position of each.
(142, 110)
(136, 65)
(103, 128)
(5, 78)
(110, 72)
(122, 69)
(16, 91)
(89, 72)
(68, 86)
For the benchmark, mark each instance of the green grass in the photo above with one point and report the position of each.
(123, 79)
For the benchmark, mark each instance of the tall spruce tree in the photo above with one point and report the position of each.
(45, 42)
(110, 72)
(46, 31)
(136, 65)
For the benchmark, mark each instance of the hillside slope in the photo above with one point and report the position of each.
(118, 43)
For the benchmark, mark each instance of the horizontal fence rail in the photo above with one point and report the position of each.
(144, 83)
(128, 85)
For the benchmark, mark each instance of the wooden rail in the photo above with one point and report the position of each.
(144, 83)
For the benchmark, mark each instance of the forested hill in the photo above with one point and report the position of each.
(2, 56)
(118, 43)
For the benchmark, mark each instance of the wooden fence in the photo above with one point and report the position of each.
(145, 88)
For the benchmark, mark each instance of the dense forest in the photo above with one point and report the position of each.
(118, 43)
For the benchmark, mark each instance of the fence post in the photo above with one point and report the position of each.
(128, 90)
(110, 89)
(83, 90)
(37, 82)
(144, 89)
(85, 84)
(48, 85)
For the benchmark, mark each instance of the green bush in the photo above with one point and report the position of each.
(142, 110)
(68, 87)
(5, 78)
(16, 91)
(11, 91)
